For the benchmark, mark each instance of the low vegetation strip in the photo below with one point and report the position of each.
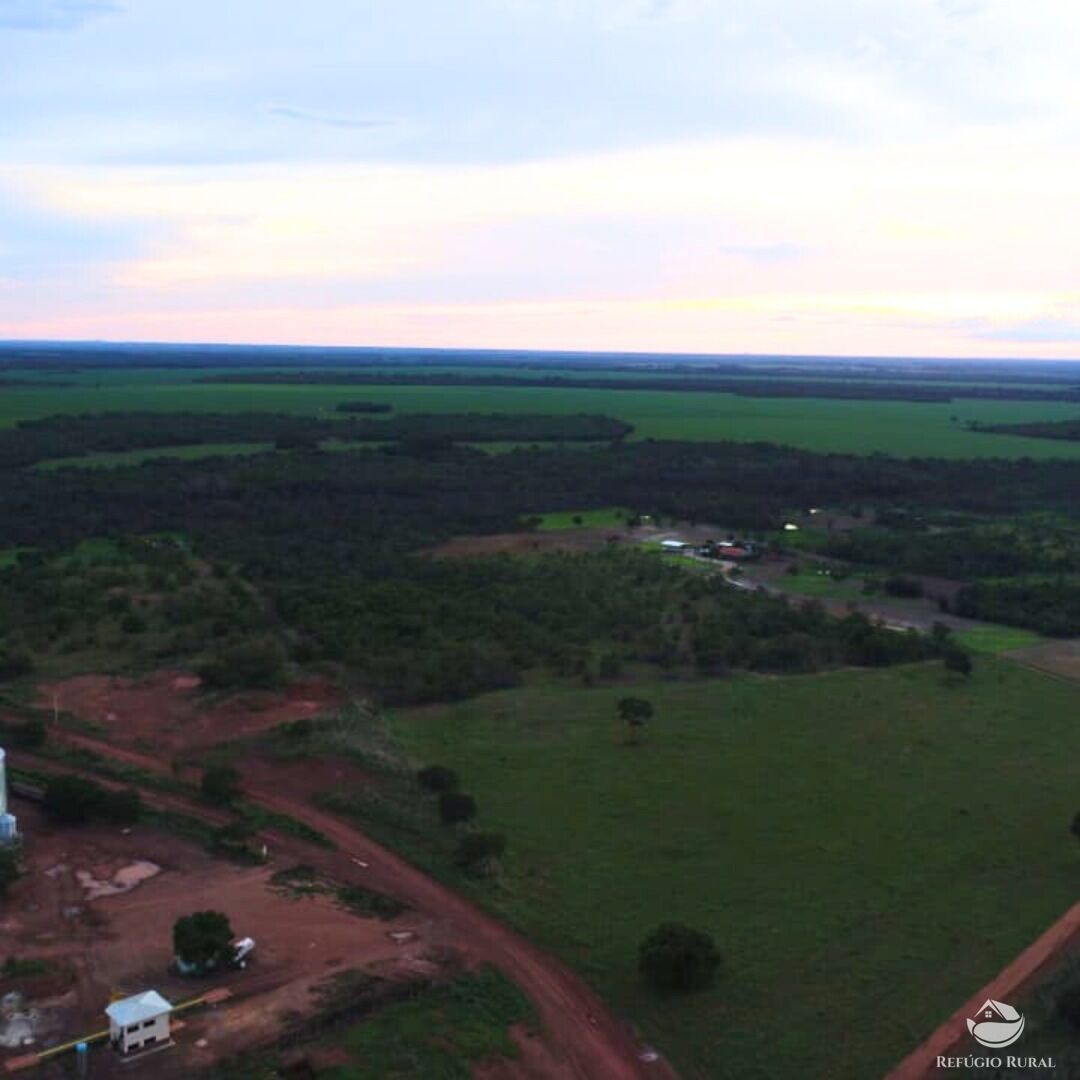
(1067, 430)
(832, 833)
(69, 436)
(776, 387)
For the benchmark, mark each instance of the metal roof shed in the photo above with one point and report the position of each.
(139, 1022)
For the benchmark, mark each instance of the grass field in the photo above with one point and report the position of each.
(903, 428)
(867, 848)
(610, 517)
(811, 583)
(997, 639)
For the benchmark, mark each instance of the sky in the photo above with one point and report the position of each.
(851, 177)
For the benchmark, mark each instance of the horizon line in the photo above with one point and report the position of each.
(495, 350)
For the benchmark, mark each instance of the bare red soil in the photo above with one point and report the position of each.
(530, 543)
(167, 711)
(582, 1035)
(122, 944)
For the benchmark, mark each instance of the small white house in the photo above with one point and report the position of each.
(139, 1022)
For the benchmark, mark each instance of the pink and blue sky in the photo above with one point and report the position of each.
(892, 177)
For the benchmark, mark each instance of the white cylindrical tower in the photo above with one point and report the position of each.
(9, 827)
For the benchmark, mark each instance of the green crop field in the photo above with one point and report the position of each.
(895, 427)
(867, 848)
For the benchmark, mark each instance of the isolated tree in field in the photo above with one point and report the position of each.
(9, 870)
(1068, 1005)
(456, 807)
(678, 958)
(958, 662)
(1074, 828)
(202, 940)
(121, 807)
(479, 853)
(634, 712)
(437, 778)
(220, 784)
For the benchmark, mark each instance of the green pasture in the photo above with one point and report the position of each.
(997, 639)
(609, 517)
(812, 583)
(867, 848)
(895, 427)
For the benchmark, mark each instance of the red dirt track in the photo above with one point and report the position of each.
(580, 1029)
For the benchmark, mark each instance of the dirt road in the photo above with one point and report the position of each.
(595, 1044)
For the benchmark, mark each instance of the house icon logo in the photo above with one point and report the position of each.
(996, 1025)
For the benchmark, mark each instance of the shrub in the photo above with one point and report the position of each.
(437, 778)
(958, 662)
(456, 807)
(9, 870)
(1068, 1006)
(250, 665)
(14, 665)
(905, 587)
(479, 853)
(220, 784)
(72, 800)
(678, 958)
(121, 807)
(233, 841)
(133, 623)
(28, 734)
(368, 903)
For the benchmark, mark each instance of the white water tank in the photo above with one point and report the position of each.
(9, 827)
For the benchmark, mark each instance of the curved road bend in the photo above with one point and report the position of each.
(596, 1044)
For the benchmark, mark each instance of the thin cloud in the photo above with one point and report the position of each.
(52, 14)
(1034, 330)
(312, 116)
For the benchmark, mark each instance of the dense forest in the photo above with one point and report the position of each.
(332, 544)
(1049, 606)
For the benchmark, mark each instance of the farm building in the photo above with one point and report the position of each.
(673, 545)
(730, 549)
(139, 1022)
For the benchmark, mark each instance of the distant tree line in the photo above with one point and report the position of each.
(364, 407)
(776, 387)
(1048, 606)
(69, 436)
(1067, 430)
